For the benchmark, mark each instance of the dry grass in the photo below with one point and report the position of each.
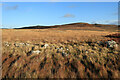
(51, 35)
(69, 54)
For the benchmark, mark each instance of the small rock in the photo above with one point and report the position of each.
(61, 48)
(22, 43)
(111, 44)
(46, 45)
(37, 51)
(86, 52)
(16, 45)
(64, 54)
(27, 44)
(7, 45)
(116, 47)
(67, 49)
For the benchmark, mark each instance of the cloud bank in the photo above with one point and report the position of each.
(113, 22)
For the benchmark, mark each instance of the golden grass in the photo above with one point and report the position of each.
(51, 35)
(69, 54)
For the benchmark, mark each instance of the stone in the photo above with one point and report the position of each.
(112, 44)
(46, 45)
(37, 51)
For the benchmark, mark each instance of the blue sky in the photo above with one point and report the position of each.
(20, 14)
(60, 0)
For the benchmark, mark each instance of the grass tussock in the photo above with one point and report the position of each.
(79, 59)
(57, 54)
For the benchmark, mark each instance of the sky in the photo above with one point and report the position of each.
(23, 14)
(60, 0)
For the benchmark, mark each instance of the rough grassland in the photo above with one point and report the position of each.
(51, 35)
(58, 53)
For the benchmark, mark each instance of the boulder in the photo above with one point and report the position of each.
(112, 44)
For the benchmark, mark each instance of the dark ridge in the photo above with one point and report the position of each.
(37, 27)
(3, 28)
(68, 25)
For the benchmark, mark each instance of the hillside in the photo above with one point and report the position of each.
(68, 25)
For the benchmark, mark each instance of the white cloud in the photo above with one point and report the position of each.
(1, 4)
(116, 13)
(69, 15)
(72, 6)
(11, 7)
(114, 22)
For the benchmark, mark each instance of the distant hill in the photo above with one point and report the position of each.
(68, 25)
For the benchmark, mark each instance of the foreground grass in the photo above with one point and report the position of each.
(58, 53)
(85, 59)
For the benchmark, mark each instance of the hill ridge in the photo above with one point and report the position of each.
(68, 25)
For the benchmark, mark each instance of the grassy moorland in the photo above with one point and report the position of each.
(73, 52)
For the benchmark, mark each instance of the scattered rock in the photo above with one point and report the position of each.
(86, 52)
(22, 43)
(116, 47)
(37, 51)
(27, 44)
(7, 45)
(64, 54)
(68, 54)
(19, 44)
(46, 45)
(67, 49)
(112, 44)
(109, 44)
